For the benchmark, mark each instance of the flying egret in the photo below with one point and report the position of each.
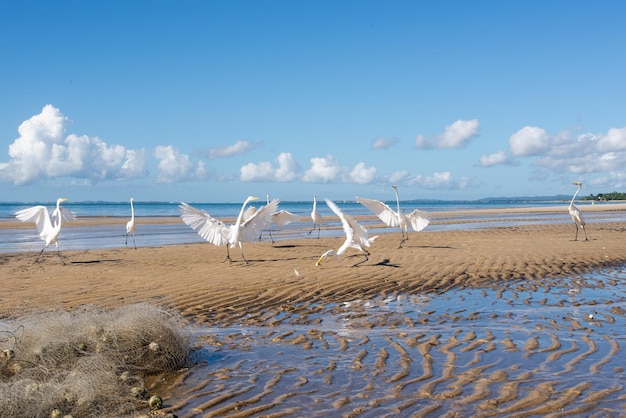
(417, 219)
(48, 228)
(356, 236)
(318, 220)
(575, 213)
(130, 226)
(217, 233)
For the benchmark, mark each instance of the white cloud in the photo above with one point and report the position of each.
(361, 174)
(384, 143)
(287, 170)
(44, 151)
(323, 170)
(456, 135)
(577, 154)
(614, 140)
(528, 141)
(176, 167)
(396, 176)
(497, 158)
(238, 148)
(442, 180)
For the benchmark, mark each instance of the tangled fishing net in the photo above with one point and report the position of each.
(88, 362)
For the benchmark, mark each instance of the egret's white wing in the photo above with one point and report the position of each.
(211, 229)
(249, 212)
(251, 228)
(67, 215)
(576, 215)
(283, 217)
(384, 212)
(38, 215)
(418, 220)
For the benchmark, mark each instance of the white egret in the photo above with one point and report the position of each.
(575, 213)
(318, 220)
(356, 236)
(280, 218)
(130, 226)
(48, 227)
(217, 233)
(417, 219)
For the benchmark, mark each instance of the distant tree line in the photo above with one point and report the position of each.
(606, 196)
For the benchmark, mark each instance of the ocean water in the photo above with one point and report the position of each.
(149, 235)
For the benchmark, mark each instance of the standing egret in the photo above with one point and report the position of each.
(575, 213)
(217, 233)
(417, 219)
(356, 236)
(130, 226)
(48, 228)
(318, 220)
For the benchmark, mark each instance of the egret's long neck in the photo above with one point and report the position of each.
(132, 210)
(59, 215)
(243, 207)
(575, 194)
(314, 202)
(397, 200)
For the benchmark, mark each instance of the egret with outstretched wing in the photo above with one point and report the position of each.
(218, 233)
(417, 219)
(48, 227)
(356, 236)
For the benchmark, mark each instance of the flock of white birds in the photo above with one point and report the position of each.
(250, 223)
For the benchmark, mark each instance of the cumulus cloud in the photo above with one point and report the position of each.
(497, 158)
(438, 181)
(323, 170)
(456, 135)
(528, 141)
(568, 152)
(614, 140)
(287, 169)
(361, 174)
(44, 150)
(384, 143)
(238, 148)
(176, 167)
(327, 169)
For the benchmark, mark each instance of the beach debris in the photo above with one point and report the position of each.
(155, 402)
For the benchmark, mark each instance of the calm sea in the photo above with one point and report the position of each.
(110, 236)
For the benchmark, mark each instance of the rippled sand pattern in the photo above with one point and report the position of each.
(511, 321)
(517, 351)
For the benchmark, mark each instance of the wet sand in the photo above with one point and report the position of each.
(283, 292)
(196, 280)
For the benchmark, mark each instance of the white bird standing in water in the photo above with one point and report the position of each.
(417, 219)
(49, 228)
(130, 226)
(356, 236)
(575, 213)
(318, 220)
(217, 233)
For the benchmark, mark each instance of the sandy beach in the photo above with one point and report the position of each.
(195, 279)
(278, 353)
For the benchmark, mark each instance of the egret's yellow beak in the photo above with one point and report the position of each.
(254, 198)
(63, 199)
(319, 261)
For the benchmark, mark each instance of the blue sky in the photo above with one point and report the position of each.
(213, 101)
